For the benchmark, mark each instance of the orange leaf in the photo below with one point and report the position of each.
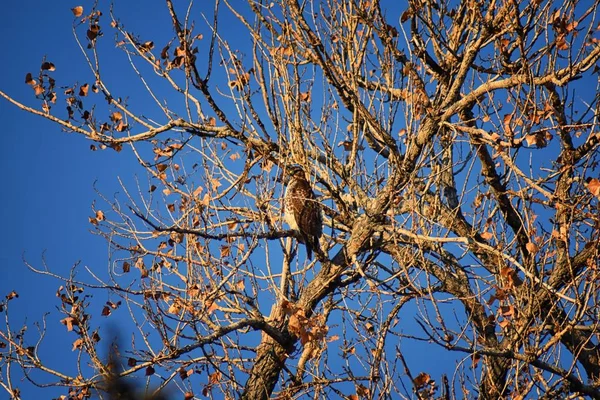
(593, 186)
(487, 235)
(421, 380)
(532, 247)
(83, 90)
(116, 116)
(77, 344)
(99, 215)
(77, 11)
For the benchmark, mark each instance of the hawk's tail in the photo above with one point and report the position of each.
(312, 244)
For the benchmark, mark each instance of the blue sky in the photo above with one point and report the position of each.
(49, 174)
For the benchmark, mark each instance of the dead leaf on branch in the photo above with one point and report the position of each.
(77, 11)
(593, 186)
(48, 66)
(78, 344)
(422, 379)
(93, 32)
(29, 79)
(83, 90)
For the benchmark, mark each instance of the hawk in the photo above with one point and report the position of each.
(302, 211)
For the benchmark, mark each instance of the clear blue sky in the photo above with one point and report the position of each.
(49, 175)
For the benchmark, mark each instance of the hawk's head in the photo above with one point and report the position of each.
(293, 172)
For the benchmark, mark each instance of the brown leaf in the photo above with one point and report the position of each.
(147, 46)
(131, 362)
(99, 215)
(126, 267)
(78, 344)
(93, 32)
(532, 247)
(214, 378)
(593, 186)
(12, 295)
(225, 251)
(406, 15)
(487, 235)
(29, 79)
(184, 374)
(77, 11)
(304, 96)
(38, 89)
(161, 167)
(69, 322)
(175, 308)
(116, 116)
(48, 66)
(121, 126)
(150, 370)
(421, 380)
(83, 90)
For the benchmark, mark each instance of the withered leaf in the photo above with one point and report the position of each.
(83, 90)
(422, 379)
(38, 89)
(48, 66)
(121, 126)
(593, 186)
(161, 167)
(29, 79)
(78, 344)
(12, 295)
(99, 215)
(116, 116)
(77, 11)
(93, 32)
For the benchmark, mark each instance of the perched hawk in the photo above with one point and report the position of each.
(302, 210)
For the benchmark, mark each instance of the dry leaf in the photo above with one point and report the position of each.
(77, 11)
(593, 186)
(83, 90)
(421, 380)
(78, 344)
(29, 79)
(99, 215)
(48, 66)
(487, 235)
(532, 247)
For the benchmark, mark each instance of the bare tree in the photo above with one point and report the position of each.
(452, 147)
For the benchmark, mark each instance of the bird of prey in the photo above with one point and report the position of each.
(302, 211)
